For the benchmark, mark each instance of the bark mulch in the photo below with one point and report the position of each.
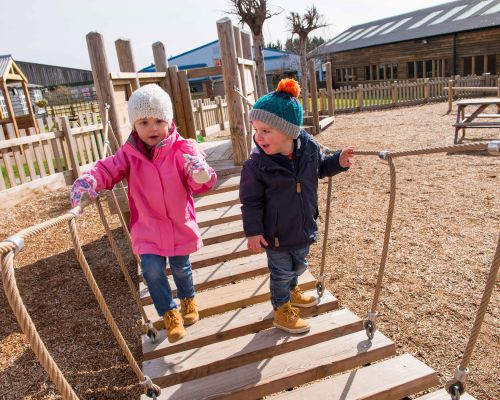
(445, 229)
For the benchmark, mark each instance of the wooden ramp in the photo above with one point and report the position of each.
(234, 352)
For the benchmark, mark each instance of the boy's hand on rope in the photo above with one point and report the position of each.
(85, 184)
(256, 243)
(345, 155)
(197, 168)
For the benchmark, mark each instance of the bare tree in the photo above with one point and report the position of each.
(254, 13)
(302, 25)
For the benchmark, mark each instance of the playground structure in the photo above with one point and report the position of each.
(10, 72)
(233, 339)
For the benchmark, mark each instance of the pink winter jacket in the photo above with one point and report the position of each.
(162, 215)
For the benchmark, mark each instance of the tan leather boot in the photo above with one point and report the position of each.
(299, 299)
(287, 318)
(174, 326)
(189, 311)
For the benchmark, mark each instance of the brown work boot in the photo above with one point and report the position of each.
(174, 326)
(287, 318)
(299, 299)
(189, 311)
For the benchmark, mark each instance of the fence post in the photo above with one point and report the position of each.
(126, 59)
(329, 89)
(360, 97)
(394, 93)
(314, 95)
(176, 99)
(498, 87)
(451, 83)
(201, 116)
(71, 143)
(161, 65)
(426, 90)
(220, 112)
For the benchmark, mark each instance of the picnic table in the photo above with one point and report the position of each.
(477, 118)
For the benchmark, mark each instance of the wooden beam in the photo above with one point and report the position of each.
(13, 77)
(102, 83)
(126, 60)
(161, 64)
(204, 71)
(10, 109)
(187, 104)
(30, 106)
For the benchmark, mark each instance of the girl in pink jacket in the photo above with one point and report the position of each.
(163, 170)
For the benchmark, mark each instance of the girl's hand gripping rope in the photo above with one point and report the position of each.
(197, 168)
(85, 184)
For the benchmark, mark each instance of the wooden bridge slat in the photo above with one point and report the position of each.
(196, 363)
(444, 395)
(387, 380)
(224, 184)
(218, 274)
(229, 297)
(229, 325)
(218, 216)
(220, 252)
(219, 233)
(216, 200)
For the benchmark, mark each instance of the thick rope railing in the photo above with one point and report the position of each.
(152, 390)
(456, 386)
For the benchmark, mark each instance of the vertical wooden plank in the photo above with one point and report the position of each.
(126, 59)
(102, 81)
(201, 115)
(187, 104)
(161, 64)
(177, 99)
(29, 156)
(10, 110)
(3, 184)
(70, 141)
(16, 150)
(38, 154)
(234, 103)
(51, 156)
(314, 95)
(6, 154)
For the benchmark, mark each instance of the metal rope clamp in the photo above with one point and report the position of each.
(18, 242)
(151, 390)
(494, 147)
(384, 154)
(369, 325)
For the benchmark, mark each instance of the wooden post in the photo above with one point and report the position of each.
(187, 104)
(394, 93)
(451, 83)
(426, 90)
(201, 117)
(71, 143)
(314, 95)
(360, 97)
(161, 64)
(329, 89)
(102, 82)
(220, 112)
(177, 99)
(231, 81)
(30, 106)
(10, 109)
(126, 59)
(498, 86)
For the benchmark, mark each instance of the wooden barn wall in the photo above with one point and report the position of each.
(479, 42)
(51, 75)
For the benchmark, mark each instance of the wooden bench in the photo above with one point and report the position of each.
(469, 120)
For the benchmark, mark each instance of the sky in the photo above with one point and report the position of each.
(53, 31)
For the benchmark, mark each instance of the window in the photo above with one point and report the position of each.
(394, 71)
(396, 26)
(425, 19)
(367, 73)
(448, 15)
(428, 69)
(3, 106)
(380, 71)
(467, 65)
(411, 69)
(388, 69)
(420, 69)
(492, 64)
(374, 72)
(472, 10)
(479, 65)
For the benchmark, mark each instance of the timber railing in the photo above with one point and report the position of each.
(50, 160)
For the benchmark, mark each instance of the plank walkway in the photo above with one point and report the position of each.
(234, 352)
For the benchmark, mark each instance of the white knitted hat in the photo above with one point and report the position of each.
(150, 101)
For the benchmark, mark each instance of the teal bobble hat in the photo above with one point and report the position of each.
(281, 109)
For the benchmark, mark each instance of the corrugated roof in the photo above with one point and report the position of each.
(456, 16)
(4, 64)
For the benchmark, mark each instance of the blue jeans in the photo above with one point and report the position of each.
(153, 272)
(285, 267)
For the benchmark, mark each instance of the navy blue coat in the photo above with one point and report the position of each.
(282, 203)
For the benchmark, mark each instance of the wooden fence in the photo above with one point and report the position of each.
(52, 159)
(210, 115)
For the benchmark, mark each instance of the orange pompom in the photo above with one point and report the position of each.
(290, 86)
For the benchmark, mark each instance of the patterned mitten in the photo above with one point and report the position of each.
(197, 168)
(84, 184)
